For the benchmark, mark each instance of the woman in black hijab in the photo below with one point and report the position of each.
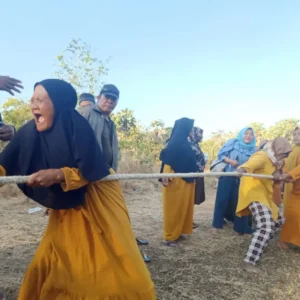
(178, 193)
(88, 250)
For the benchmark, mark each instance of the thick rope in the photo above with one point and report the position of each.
(24, 179)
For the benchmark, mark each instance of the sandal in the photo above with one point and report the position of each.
(141, 242)
(146, 258)
(171, 244)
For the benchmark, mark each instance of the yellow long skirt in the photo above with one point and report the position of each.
(89, 253)
(178, 207)
(290, 232)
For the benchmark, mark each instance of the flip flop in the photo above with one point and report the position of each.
(141, 242)
(171, 244)
(146, 258)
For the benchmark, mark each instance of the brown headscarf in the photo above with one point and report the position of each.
(281, 145)
(275, 147)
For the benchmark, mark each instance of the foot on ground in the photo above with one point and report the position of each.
(250, 268)
(283, 246)
(171, 244)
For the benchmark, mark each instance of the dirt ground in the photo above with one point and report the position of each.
(205, 267)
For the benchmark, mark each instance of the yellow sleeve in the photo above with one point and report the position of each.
(167, 169)
(295, 173)
(256, 161)
(73, 180)
(2, 171)
(287, 162)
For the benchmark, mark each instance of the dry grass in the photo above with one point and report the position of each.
(205, 267)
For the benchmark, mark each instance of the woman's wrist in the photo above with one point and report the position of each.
(59, 176)
(227, 160)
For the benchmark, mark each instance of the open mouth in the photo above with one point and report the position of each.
(39, 118)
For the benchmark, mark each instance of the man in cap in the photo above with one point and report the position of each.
(86, 99)
(105, 130)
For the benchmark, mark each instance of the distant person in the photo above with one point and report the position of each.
(194, 139)
(290, 233)
(86, 99)
(256, 197)
(105, 129)
(178, 193)
(98, 116)
(9, 85)
(234, 153)
(88, 250)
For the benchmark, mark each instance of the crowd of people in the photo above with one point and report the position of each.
(250, 203)
(88, 250)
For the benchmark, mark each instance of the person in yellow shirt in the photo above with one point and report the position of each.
(256, 197)
(179, 193)
(88, 250)
(290, 233)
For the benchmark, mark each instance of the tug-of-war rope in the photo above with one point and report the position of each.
(24, 179)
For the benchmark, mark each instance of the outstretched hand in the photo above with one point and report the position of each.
(286, 178)
(9, 85)
(46, 178)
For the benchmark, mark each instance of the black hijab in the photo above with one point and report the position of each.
(178, 153)
(70, 142)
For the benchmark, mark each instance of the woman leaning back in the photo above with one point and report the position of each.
(88, 251)
(256, 197)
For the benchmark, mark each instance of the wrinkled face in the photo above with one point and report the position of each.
(42, 109)
(85, 103)
(280, 157)
(200, 135)
(196, 135)
(107, 104)
(296, 136)
(248, 136)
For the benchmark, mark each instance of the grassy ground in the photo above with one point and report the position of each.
(205, 267)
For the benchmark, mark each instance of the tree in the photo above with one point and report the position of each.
(214, 144)
(16, 112)
(125, 121)
(260, 131)
(283, 128)
(77, 66)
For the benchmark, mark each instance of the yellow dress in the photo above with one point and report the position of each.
(178, 207)
(290, 232)
(254, 189)
(90, 252)
(290, 163)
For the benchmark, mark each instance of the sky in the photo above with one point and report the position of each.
(224, 63)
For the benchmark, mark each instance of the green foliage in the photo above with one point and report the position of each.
(77, 66)
(16, 112)
(145, 143)
(283, 128)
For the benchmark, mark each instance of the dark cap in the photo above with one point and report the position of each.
(110, 90)
(86, 97)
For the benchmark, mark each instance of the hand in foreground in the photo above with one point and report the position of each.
(241, 171)
(6, 132)
(46, 178)
(9, 84)
(286, 178)
(165, 181)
